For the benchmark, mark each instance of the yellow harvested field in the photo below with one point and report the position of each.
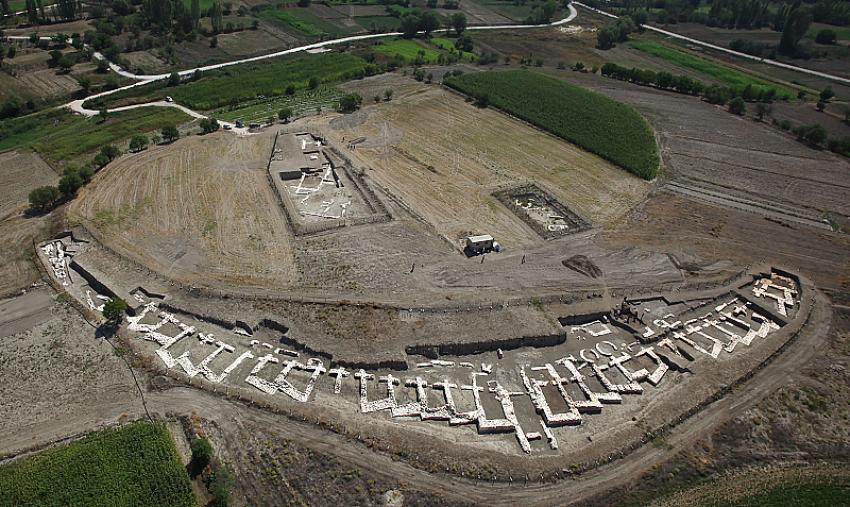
(444, 158)
(200, 209)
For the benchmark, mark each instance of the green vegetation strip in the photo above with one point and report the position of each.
(612, 130)
(244, 82)
(58, 134)
(134, 465)
(721, 73)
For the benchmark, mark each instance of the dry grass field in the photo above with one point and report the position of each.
(444, 158)
(201, 207)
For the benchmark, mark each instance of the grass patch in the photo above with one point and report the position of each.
(447, 44)
(58, 135)
(134, 465)
(244, 82)
(407, 49)
(726, 75)
(304, 101)
(379, 23)
(603, 126)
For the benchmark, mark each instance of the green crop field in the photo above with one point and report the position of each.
(407, 49)
(388, 23)
(134, 465)
(726, 75)
(258, 110)
(612, 130)
(244, 82)
(304, 21)
(58, 135)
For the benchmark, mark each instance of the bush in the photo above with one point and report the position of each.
(737, 106)
(114, 310)
(202, 455)
(349, 103)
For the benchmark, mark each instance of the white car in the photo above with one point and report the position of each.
(169, 99)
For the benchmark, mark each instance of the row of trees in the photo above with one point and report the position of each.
(46, 198)
(684, 84)
(73, 178)
(735, 14)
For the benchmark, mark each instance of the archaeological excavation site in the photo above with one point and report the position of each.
(424, 253)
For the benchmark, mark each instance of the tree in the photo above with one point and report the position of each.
(70, 183)
(313, 82)
(290, 89)
(428, 22)
(44, 198)
(458, 21)
(155, 139)
(388, 95)
(482, 100)
(32, 14)
(209, 125)
(796, 25)
(138, 143)
(110, 152)
(464, 43)
(847, 115)
(114, 310)
(285, 114)
(170, 133)
(826, 94)
(173, 79)
(202, 454)
(216, 17)
(605, 38)
(821, 105)
(737, 106)
(409, 25)
(195, 12)
(349, 103)
(214, 42)
(65, 64)
(826, 36)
